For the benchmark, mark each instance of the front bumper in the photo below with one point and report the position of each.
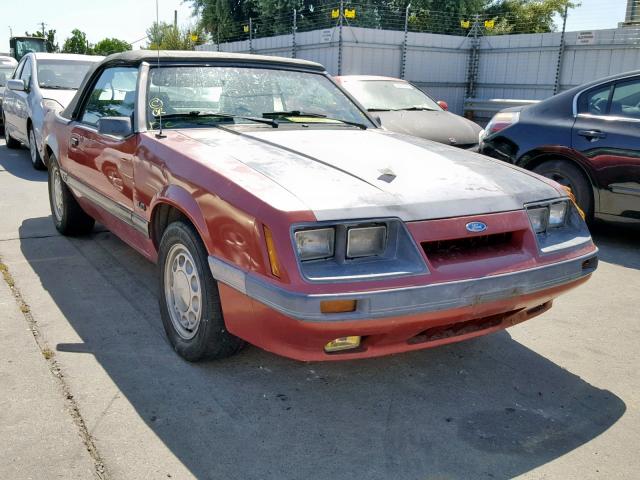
(409, 300)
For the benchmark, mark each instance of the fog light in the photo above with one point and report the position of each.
(342, 343)
(337, 306)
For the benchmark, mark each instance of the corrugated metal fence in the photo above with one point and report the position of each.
(510, 66)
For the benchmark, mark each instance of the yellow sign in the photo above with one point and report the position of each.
(465, 23)
(245, 28)
(335, 13)
(194, 37)
(489, 24)
(350, 13)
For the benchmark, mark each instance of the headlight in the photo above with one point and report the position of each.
(557, 214)
(539, 217)
(315, 244)
(366, 241)
(502, 120)
(548, 216)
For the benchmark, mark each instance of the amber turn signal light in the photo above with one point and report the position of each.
(338, 306)
(271, 251)
(342, 343)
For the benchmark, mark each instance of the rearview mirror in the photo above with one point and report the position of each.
(443, 105)
(115, 126)
(16, 84)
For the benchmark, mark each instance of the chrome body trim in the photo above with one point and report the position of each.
(114, 208)
(407, 300)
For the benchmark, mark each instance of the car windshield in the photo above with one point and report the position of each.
(389, 95)
(62, 74)
(193, 96)
(5, 74)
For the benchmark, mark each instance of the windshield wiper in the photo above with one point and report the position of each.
(198, 114)
(298, 113)
(414, 109)
(57, 87)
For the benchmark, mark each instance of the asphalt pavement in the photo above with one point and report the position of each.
(90, 388)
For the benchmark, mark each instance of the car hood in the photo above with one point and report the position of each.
(63, 97)
(347, 173)
(439, 126)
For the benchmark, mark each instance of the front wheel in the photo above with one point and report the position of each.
(569, 175)
(68, 216)
(189, 299)
(36, 159)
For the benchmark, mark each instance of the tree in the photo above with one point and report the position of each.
(50, 39)
(77, 43)
(107, 46)
(167, 37)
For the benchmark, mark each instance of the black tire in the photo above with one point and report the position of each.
(69, 218)
(211, 339)
(8, 139)
(34, 154)
(570, 175)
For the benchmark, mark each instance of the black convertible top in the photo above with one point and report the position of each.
(136, 57)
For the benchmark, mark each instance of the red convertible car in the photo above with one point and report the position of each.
(281, 215)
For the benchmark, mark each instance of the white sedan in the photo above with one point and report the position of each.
(42, 81)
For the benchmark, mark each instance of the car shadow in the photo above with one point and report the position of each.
(618, 243)
(14, 161)
(486, 408)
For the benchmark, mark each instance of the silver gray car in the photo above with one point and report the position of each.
(41, 82)
(7, 66)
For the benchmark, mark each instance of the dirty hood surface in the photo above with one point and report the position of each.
(442, 127)
(345, 173)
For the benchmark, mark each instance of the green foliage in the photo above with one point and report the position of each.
(50, 39)
(108, 46)
(228, 19)
(77, 43)
(167, 37)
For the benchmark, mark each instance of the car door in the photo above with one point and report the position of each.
(103, 164)
(16, 107)
(606, 133)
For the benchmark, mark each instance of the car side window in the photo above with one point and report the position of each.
(113, 95)
(596, 101)
(626, 100)
(26, 73)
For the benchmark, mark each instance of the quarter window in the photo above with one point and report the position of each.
(112, 96)
(26, 73)
(626, 100)
(596, 102)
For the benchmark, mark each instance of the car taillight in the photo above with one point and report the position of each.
(502, 120)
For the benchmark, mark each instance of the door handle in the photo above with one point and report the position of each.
(75, 141)
(592, 134)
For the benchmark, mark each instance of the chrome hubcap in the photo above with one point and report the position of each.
(33, 148)
(57, 193)
(182, 290)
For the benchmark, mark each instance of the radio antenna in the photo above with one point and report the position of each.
(160, 105)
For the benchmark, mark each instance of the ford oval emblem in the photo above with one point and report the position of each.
(476, 227)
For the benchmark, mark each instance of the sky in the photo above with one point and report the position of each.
(129, 19)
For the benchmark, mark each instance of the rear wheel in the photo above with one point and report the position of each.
(68, 216)
(189, 298)
(36, 159)
(8, 139)
(569, 175)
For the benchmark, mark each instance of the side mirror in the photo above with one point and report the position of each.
(377, 120)
(443, 105)
(16, 84)
(115, 126)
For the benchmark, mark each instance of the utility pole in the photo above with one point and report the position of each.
(293, 33)
(10, 31)
(472, 72)
(403, 64)
(250, 35)
(340, 21)
(44, 34)
(175, 19)
(556, 84)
